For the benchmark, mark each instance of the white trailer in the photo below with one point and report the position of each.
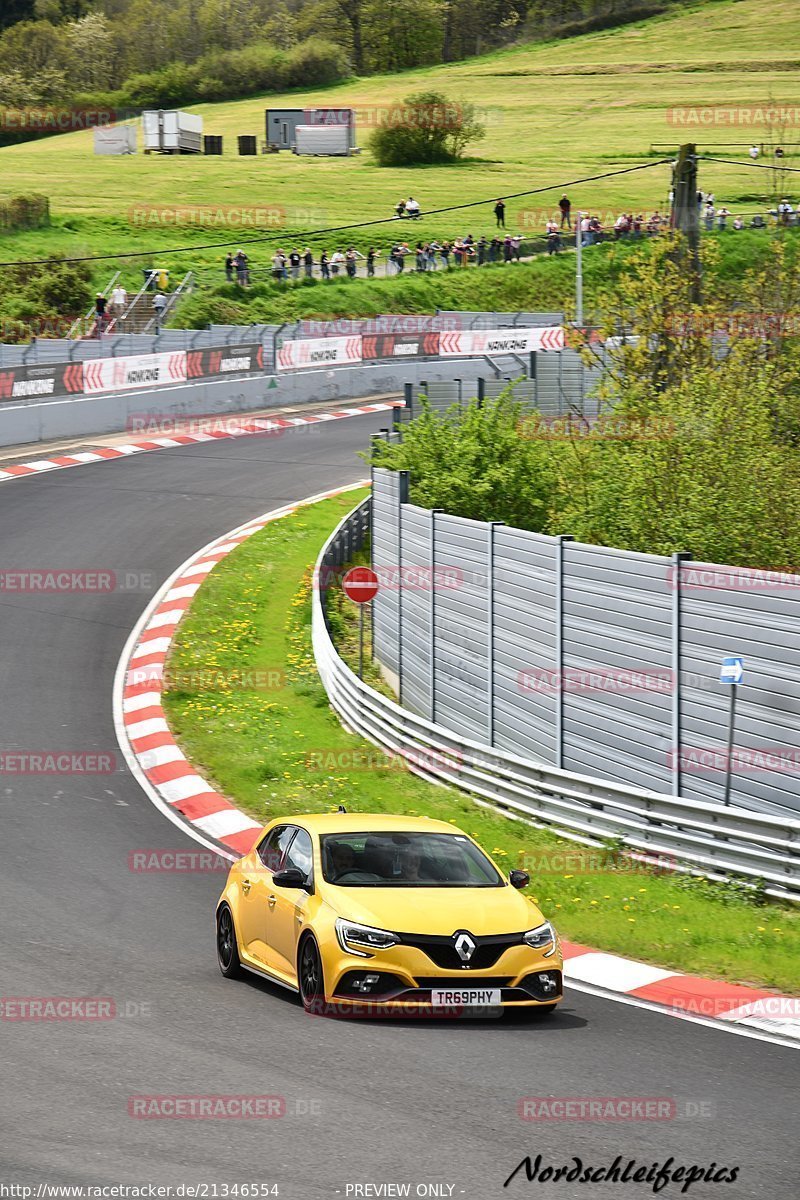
(115, 139)
(322, 139)
(170, 131)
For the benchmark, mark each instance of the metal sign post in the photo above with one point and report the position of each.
(361, 586)
(732, 674)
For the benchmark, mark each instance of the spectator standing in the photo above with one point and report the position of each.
(587, 233)
(494, 250)
(446, 251)
(372, 254)
(431, 251)
(278, 265)
(294, 263)
(324, 265)
(159, 306)
(507, 248)
(308, 263)
(500, 214)
(708, 216)
(100, 318)
(118, 302)
(241, 262)
(722, 217)
(337, 260)
(421, 257)
(516, 246)
(565, 204)
(553, 237)
(351, 261)
(482, 247)
(229, 267)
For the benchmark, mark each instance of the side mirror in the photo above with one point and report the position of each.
(519, 879)
(291, 878)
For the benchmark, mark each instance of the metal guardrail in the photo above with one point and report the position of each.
(700, 837)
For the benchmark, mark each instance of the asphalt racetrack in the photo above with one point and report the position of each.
(365, 1104)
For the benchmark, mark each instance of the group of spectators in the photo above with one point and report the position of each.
(502, 248)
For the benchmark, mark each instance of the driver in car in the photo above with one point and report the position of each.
(343, 859)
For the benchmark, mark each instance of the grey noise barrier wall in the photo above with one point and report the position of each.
(592, 660)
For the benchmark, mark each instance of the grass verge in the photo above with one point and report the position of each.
(253, 716)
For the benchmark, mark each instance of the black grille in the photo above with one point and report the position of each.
(430, 982)
(442, 950)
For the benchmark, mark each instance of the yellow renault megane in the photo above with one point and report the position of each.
(392, 913)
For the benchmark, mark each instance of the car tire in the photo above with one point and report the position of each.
(227, 949)
(310, 977)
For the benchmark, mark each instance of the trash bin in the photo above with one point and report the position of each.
(248, 144)
(212, 143)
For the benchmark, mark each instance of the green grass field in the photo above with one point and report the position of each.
(280, 750)
(554, 113)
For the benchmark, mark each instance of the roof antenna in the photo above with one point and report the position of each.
(341, 808)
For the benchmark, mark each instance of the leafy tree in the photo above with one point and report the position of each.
(429, 128)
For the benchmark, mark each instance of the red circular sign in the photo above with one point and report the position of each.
(360, 585)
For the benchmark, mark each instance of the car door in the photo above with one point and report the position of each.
(256, 887)
(286, 906)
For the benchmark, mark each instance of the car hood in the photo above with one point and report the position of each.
(441, 911)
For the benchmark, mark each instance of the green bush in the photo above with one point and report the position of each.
(25, 212)
(427, 128)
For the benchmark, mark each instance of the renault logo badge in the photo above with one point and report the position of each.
(465, 947)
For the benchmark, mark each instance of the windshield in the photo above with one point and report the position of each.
(405, 860)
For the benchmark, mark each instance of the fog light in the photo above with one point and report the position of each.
(366, 984)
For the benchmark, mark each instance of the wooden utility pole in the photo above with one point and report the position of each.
(685, 215)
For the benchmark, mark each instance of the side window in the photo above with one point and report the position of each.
(300, 854)
(273, 847)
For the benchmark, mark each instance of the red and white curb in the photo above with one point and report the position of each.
(151, 752)
(220, 428)
(175, 787)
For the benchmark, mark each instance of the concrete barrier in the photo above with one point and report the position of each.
(44, 420)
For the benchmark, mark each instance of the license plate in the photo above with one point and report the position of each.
(459, 997)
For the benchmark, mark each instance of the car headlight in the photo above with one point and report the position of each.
(541, 937)
(366, 937)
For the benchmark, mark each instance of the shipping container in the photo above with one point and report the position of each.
(282, 124)
(170, 131)
(322, 140)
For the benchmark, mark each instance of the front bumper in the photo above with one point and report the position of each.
(404, 977)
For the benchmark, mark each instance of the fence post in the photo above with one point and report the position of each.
(559, 612)
(408, 397)
(402, 498)
(492, 525)
(677, 561)
(481, 391)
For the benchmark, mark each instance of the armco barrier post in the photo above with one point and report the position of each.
(559, 613)
(677, 561)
